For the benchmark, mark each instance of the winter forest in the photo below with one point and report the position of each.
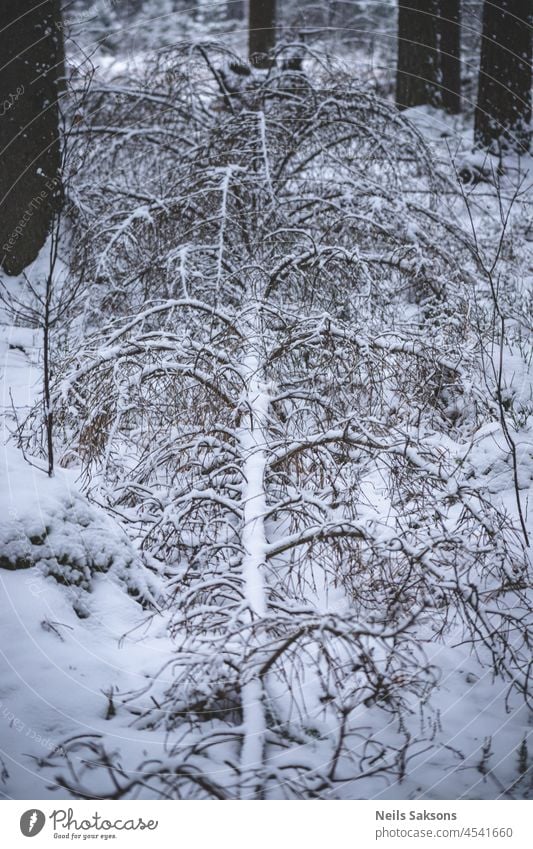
(266, 314)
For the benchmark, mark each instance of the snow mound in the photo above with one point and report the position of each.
(47, 523)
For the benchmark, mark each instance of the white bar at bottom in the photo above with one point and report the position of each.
(272, 825)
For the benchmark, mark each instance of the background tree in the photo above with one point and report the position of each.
(31, 46)
(262, 31)
(449, 43)
(235, 10)
(503, 110)
(417, 69)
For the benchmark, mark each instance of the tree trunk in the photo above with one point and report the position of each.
(503, 110)
(31, 46)
(253, 439)
(262, 32)
(235, 10)
(449, 42)
(417, 69)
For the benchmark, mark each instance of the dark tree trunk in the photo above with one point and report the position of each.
(418, 66)
(235, 10)
(31, 47)
(262, 32)
(449, 42)
(503, 110)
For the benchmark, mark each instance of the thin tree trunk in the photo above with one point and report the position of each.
(449, 43)
(31, 47)
(253, 439)
(418, 65)
(503, 111)
(262, 32)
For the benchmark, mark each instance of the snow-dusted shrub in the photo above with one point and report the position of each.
(282, 409)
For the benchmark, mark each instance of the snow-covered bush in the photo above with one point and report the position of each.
(282, 409)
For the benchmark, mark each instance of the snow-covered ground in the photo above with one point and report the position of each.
(58, 670)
